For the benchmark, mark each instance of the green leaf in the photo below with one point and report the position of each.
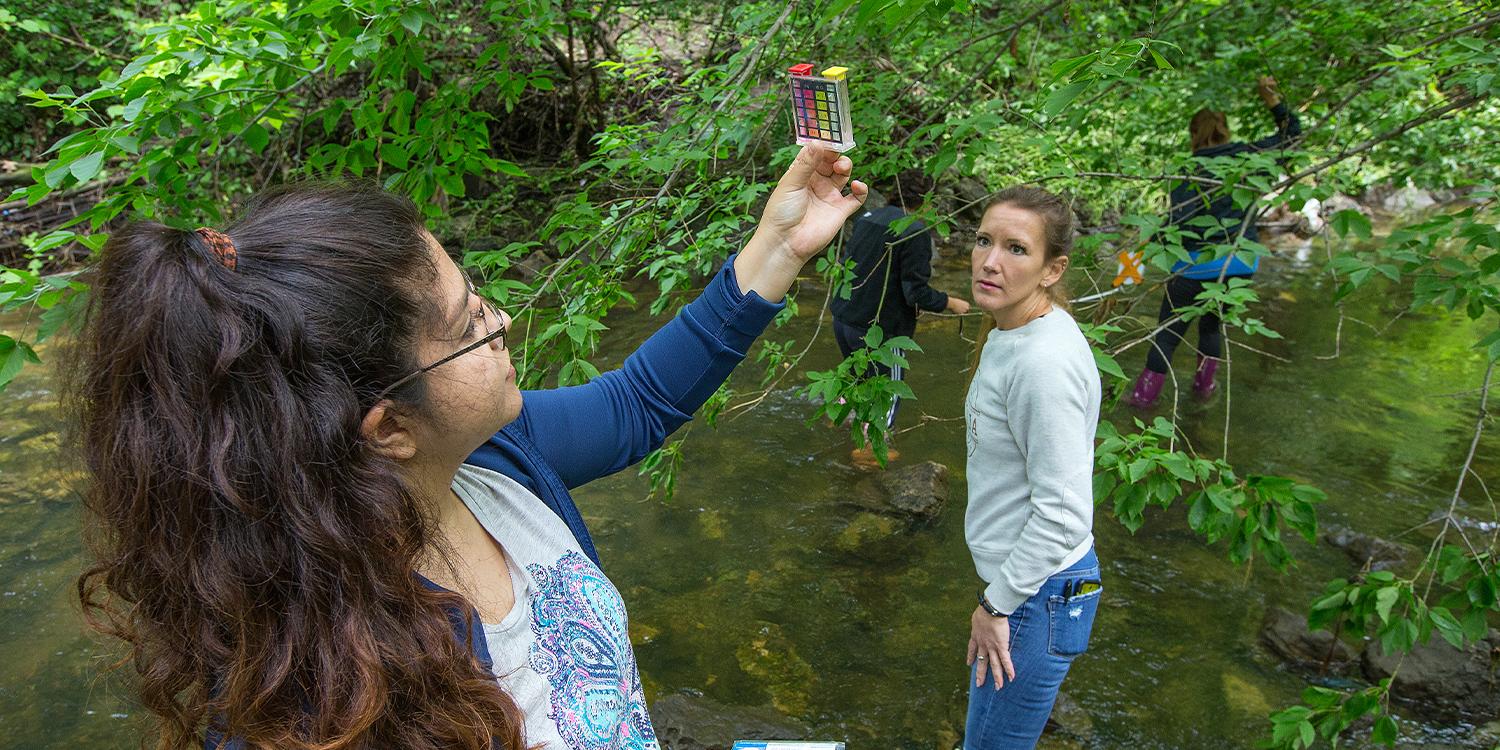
(1385, 599)
(505, 167)
(1384, 731)
(13, 355)
(412, 21)
(394, 155)
(1350, 221)
(88, 167)
(1061, 97)
(135, 67)
(256, 137)
(1223, 498)
(1108, 365)
(1198, 511)
(1332, 601)
(127, 143)
(1181, 466)
(133, 108)
(1447, 626)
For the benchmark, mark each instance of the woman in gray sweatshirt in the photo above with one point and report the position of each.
(1031, 412)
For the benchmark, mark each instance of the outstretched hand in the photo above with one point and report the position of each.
(803, 214)
(809, 205)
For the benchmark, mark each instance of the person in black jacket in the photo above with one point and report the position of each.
(1209, 135)
(891, 272)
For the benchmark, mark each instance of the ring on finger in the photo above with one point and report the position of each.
(982, 658)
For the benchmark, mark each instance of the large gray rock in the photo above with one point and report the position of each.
(1362, 548)
(1340, 202)
(917, 492)
(1408, 199)
(1286, 635)
(1393, 199)
(693, 722)
(1441, 682)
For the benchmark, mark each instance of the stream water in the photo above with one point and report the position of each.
(738, 590)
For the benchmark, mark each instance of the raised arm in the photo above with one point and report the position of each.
(589, 431)
(593, 430)
(1288, 127)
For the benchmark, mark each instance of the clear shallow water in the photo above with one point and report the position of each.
(736, 589)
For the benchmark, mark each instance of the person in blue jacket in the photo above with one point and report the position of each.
(323, 513)
(1209, 136)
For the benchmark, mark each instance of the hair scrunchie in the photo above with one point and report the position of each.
(221, 245)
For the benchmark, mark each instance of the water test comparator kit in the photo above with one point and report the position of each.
(820, 107)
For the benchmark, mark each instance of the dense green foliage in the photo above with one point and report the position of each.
(582, 152)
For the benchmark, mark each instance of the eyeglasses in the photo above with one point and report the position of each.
(489, 311)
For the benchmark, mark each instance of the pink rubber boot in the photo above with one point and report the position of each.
(1203, 381)
(1147, 388)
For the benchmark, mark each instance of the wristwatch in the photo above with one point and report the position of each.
(989, 608)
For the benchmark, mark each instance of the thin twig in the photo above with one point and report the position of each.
(1449, 520)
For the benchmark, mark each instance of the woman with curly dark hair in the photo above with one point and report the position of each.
(324, 515)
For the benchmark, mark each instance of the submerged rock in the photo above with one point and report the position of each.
(1070, 720)
(693, 722)
(1286, 635)
(917, 492)
(1244, 696)
(1441, 682)
(769, 656)
(1364, 548)
(873, 537)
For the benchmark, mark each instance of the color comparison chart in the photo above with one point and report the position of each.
(820, 107)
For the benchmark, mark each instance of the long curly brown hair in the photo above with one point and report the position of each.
(253, 553)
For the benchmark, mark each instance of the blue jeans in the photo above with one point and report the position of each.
(1046, 632)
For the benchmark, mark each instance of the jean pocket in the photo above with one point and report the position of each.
(1070, 621)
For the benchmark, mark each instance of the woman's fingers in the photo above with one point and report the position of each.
(811, 160)
(1008, 667)
(969, 660)
(833, 171)
(850, 203)
(982, 668)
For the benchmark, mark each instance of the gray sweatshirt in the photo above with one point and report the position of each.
(1031, 412)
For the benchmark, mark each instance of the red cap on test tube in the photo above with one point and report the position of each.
(805, 69)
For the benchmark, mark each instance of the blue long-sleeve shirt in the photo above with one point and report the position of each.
(1192, 199)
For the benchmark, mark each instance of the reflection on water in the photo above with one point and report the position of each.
(737, 589)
